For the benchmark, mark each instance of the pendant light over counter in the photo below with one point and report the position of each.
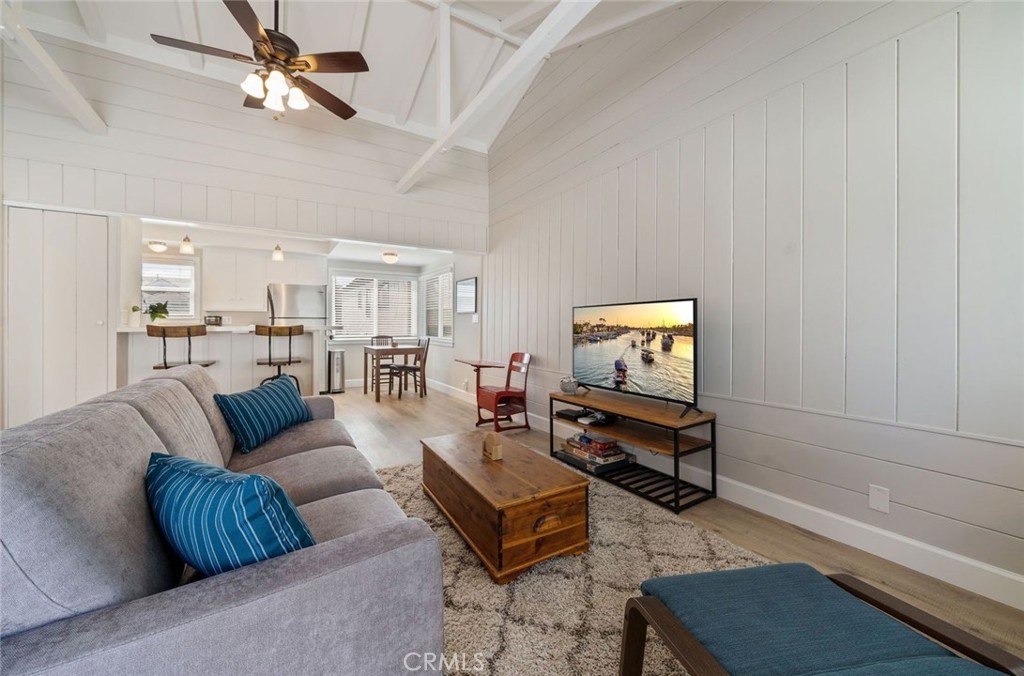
(187, 248)
(277, 254)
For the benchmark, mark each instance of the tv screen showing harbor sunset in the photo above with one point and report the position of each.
(642, 348)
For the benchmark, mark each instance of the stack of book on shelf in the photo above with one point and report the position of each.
(594, 453)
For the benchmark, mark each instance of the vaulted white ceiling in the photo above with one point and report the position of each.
(398, 38)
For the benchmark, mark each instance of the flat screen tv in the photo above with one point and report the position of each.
(645, 348)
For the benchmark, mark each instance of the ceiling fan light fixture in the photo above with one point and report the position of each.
(390, 257)
(277, 84)
(274, 102)
(253, 86)
(187, 248)
(277, 254)
(296, 99)
(156, 246)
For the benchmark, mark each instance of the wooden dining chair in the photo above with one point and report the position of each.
(276, 331)
(418, 371)
(190, 331)
(504, 402)
(385, 362)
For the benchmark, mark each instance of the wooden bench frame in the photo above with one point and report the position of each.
(648, 610)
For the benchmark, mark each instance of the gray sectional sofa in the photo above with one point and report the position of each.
(88, 584)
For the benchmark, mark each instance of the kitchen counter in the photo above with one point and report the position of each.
(235, 350)
(222, 329)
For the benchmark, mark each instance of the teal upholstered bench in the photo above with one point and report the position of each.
(789, 619)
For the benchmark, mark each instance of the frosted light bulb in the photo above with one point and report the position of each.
(253, 86)
(274, 102)
(297, 100)
(276, 84)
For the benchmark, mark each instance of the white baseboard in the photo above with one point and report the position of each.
(445, 388)
(976, 576)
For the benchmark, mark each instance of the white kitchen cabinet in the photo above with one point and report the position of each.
(298, 269)
(234, 279)
(60, 336)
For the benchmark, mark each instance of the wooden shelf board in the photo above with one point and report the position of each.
(652, 439)
(636, 408)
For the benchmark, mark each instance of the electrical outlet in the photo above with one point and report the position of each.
(226, 320)
(465, 385)
(878, 498)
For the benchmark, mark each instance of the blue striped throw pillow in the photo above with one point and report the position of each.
(217, 520)
(263, 412)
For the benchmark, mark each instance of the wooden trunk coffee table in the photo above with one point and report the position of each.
(513, 512)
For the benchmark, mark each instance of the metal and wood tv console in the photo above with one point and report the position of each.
(651, 426)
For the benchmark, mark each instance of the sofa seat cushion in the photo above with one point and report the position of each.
(310, 435)
(77, 531)
(202, 386)
(341, 515)
(263, 412)
(785, 619)
(320, 473)
(174, 414)
(218, 520)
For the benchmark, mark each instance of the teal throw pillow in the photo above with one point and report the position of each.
(217, 520)
(263, 412)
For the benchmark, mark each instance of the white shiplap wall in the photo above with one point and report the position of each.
(840, 185)
(182, 146)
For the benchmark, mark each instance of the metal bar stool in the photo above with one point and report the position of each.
(188, 332)
(272, 332)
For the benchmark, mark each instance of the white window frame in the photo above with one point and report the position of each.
(424, 278)
(177, 259)
(376, 275)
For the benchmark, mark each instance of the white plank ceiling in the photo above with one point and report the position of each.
(395, 36)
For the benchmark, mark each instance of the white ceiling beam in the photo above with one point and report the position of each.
(504, 112)
(89, 10)
(483, 69)
(562, 19)
(419, 56)
(444, 66)
(526, 16)
(46, 69)
(478, 20)
(357, 32)
(189, 19)
(619, 22)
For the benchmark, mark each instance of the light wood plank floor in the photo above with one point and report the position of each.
(389, 433)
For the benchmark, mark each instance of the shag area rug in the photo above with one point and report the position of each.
(564, 616)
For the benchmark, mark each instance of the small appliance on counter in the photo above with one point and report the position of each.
(213, 320)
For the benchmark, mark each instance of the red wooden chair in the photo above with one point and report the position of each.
(504, 402)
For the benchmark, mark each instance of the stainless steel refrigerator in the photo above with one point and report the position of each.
(297, 304)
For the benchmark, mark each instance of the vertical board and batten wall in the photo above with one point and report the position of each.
(840, 186)
(180, 146)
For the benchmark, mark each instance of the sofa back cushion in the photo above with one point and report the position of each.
(77, 531)
(202, 387)
(174, 414)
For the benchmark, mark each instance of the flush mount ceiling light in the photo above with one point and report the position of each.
(390, 257)
(186, 248)
(277, 254)
(156, 246)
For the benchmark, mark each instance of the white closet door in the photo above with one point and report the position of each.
(58, 337)
(92, 331)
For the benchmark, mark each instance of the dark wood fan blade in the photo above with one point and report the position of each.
(331, 62)
(325, 98)
(202, 49)
(247, 19)
(253, 102)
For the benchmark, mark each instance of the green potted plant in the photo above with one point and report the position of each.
(154, 310)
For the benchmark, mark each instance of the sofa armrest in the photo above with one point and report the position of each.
(322, 407)
(357, 604)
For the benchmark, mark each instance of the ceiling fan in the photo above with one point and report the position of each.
(280, 65)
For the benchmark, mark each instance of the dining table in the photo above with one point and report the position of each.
(372, 357)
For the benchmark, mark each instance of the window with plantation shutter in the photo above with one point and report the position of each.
(438, 301)
(171, 281)
(365, 306)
